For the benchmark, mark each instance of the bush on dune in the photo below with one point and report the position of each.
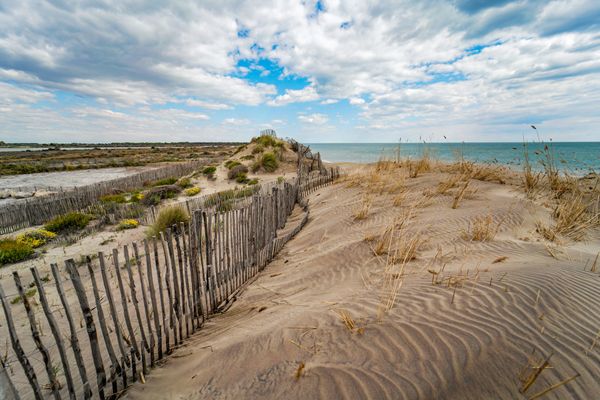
(192, 191)
(68, 222)
(167, 218)
(12, 251)
(237, 170)
(35, 238)
(269, 162)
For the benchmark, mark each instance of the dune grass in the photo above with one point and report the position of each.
(167, 218)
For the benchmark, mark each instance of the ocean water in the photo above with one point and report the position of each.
(577, 158)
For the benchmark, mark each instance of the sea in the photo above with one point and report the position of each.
(577, 158)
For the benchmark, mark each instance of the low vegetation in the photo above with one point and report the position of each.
(156, 194)
(162, 182)
(12, 251)
(269, 162)
(113, 198)
(184, 183)
(35, 238)
(167, 218)
(237, 171)
(268, 141)
(230, 164)
(209, 171)
(118, 155)
(482, 229)
(128, 224)
(223, 201)
(192, 191)
(69, 222)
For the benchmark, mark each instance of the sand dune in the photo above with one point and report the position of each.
(311, 325)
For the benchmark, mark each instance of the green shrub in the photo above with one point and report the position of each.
(247, 157)
(36, 237)
(241, 178)
(162, 182)
(12, 251)
(229, 164)
(209, 170)
(184, 183)
(113, 198)
(258, 149)
(136, 197)
(224, 200)
(192, 191)
(128, 224)
(269, 162)
(280, 179)
(68, 222)
(253, 181)
(167, 218)
(267, 141)
(237, 170)
(255, 166)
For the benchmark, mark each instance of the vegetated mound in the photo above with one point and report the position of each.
(264, 154)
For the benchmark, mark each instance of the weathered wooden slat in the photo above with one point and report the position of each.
(55, 331)
(155, 311)
(181, 283)
(87, 391)
(210, 272)
(134, 299)
(163, 315)
(16, 346)
(115, 368)
(90, 325)
(7, 387)
(149, 346)
(189, 309)
(168, 269)
(113, 311)
(131, 340)
(176, 287)
(53, 384)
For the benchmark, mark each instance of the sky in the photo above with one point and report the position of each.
(318, 71)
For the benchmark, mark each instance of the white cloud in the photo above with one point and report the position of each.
(309, 93)
(315, 119)
(207, 105)
(356, 101)
(236, 121)
(329, 101)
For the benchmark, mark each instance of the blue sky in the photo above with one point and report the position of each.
(318, 71)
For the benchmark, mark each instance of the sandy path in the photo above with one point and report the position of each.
(436, 342)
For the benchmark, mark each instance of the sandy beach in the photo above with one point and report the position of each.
(389, 292)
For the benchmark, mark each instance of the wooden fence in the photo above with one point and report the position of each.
(104, 323)
(38, 210)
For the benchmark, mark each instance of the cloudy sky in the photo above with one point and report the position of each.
(319, 71)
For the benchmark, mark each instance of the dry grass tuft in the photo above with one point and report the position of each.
(399, 199)
(349, 322)
(533, 370)
(460, 194)
(595, 264)
(450, 182)
(363, 210)
(574, 217)
(482, 229)
(300, 370)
